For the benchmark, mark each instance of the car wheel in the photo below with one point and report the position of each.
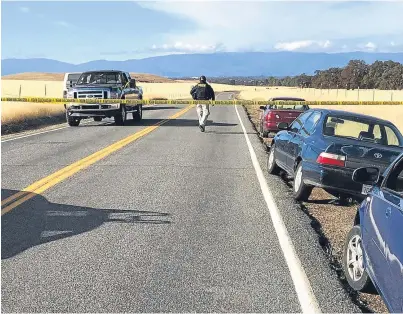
(71, 121)
(97, 119)
(121, 118)
(353, 262)
(301, 190)
(138, 115)
(272, 167)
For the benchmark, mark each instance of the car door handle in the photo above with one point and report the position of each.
(388, 212)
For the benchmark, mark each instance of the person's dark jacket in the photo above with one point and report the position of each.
(202, 91)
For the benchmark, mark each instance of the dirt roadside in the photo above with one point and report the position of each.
(332, 222)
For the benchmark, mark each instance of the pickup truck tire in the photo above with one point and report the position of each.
(71, 121)
(138, 115)
(97, 119)
(121, 118)
(263, 133)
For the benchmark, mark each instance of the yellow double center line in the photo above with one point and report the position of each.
(53, 179)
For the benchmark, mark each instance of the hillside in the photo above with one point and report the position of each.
(38, 76)
(213, 65)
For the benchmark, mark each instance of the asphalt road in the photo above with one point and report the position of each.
(172, 222)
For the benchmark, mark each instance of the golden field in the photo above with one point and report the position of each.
(33, 85)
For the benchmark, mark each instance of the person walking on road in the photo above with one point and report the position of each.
(203, 91)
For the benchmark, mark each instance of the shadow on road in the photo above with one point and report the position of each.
(184, 122)
(160, 107)
(239, 133)
(38, 221)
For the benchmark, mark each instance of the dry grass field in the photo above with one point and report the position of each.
(16, 117)
(35, 76)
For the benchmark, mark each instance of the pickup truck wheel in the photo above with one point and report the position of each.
(71, 121)
(300, 189)
(272, 167)
(353, 262)
(121, 118)
(263, 133)
(138, 115)
(97, 119)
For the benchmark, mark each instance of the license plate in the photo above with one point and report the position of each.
(366, 189)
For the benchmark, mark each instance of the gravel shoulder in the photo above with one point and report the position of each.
(332, 223)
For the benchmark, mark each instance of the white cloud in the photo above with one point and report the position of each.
(298, 45)
(179, 47)
(25, 9)
(371, 46)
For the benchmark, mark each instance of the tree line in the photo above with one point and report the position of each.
(356, 74)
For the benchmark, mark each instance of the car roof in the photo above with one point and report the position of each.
(352, 114)
(101, 71)
(287, 98)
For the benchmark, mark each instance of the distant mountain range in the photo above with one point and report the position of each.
(212, 65)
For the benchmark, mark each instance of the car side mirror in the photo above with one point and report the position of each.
(283, 126)
(71, 83)
(132, 83)
(366, 175)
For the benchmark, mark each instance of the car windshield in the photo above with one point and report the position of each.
(99, 78)
(287, 107)
(362, 130)
(73, 77)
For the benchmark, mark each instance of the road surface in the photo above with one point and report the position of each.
(172, 221)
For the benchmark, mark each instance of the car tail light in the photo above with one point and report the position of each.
(331, 159)
(270, 116)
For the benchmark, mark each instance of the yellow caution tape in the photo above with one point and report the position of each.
(190, 102)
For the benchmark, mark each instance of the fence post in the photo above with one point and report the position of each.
(373, 95)
(391, 95)
(19, 95)
(358, 93)
(45, 90)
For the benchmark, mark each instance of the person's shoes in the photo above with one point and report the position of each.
(202, 128)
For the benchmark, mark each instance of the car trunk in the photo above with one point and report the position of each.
(363, 154)
(284, 115)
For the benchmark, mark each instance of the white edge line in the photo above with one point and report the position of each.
(302, 286)
(32, 134)
(41, 132)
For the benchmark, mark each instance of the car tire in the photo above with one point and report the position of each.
(301, 190)
(97, 119)
(272, 167)
(138, 115)
(120, 119)
(71, 121)
(353, 263)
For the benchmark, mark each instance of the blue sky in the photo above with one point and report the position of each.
(78, 31)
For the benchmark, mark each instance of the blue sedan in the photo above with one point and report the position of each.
(373, 251)
(322, 148)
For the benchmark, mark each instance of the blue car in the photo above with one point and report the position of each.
(373, 251)
(322, 148)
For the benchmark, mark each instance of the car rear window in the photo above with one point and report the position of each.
(288, 107)
(357, 129)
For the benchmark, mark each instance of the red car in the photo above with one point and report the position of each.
(272, 115)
